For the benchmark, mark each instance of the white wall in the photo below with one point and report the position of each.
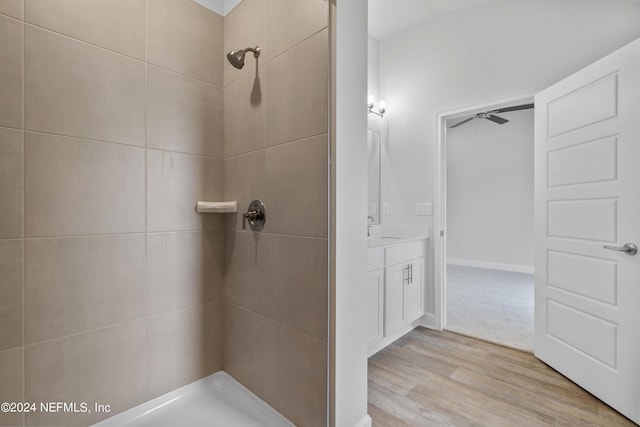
(490, 191)
(373, 57)
(350, 243)
(373, 135)
(475, 55)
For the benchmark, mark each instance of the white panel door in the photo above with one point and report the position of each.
(587, 155)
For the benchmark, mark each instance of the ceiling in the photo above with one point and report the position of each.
(389, 17)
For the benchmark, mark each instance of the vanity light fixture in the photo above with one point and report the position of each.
(381, 106)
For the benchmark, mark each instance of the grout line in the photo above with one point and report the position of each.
(298, 236)
(12, 128)
(24, 256)
(138, 319)
(143, 61)
(13, 18)
(136, 233)
(271, 147)
(63, 135)
(116, 143)
(168, 70)
(67, 36)
(88, 331)
(146, 199)
(264, 317)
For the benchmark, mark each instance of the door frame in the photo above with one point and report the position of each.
(440, 194)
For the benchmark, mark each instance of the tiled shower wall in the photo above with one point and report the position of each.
(112, 122)
(111, 129)
(275, 149)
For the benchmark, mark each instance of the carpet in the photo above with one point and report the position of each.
(492, 305)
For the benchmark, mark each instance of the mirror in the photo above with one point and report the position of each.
(373, 156)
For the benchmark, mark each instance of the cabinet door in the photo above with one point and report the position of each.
(375, 298)
(413, 291)
(394, 283)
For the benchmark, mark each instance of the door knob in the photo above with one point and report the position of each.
(628, 248)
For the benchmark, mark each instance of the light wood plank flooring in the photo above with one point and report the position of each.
(432, 378)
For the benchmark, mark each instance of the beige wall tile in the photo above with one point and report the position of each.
(298, 95)
(295, 375)
(183, 114)
(78, 284)
(295, 272)
(116, 26)
(244, 179)
(297, 188)
(245, 118)
(75, 89)
(11, 383)
(289, 23)
(87, 187)
(11, 265)
(10, 72)
(104, 366)
(10, 183)
(245, 26)
(183, 346)
(175, 182)
(12, 8)
(184, 269)
(243, 282)
(244, 347)
(187, 38)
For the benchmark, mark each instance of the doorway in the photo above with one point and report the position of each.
(486, 261)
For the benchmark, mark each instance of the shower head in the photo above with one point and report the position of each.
(236, 57)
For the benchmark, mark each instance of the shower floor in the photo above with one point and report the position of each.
(215, 401)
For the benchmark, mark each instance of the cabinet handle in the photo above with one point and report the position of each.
(411, 273)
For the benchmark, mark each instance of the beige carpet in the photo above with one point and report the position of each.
(492, 305)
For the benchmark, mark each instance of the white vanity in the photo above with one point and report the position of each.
(395, 287)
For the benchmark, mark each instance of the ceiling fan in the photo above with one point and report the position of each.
(491, 115)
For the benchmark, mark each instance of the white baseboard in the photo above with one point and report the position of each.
(365, 422)
(491, 265)
(429, 321)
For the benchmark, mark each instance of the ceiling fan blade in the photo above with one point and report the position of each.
(496, 119)
(514, 108)
(462, 122)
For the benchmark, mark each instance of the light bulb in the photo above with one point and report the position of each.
(382, 106)
(370, 100)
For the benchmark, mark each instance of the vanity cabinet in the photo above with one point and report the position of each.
(395, 290)
(375, 302)
(403, 286)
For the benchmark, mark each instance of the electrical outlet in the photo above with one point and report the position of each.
(424, 209)
(386, 210)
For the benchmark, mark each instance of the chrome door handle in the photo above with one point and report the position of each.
(628, 248)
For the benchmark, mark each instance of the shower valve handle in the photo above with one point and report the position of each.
(255, 215)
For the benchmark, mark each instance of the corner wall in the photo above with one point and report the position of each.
(276, 149)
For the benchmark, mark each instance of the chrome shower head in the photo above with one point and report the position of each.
(236, 57)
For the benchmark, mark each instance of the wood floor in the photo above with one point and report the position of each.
(432, 378)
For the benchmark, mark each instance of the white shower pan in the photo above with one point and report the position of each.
(215, 401)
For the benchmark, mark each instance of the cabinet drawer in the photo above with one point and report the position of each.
(406, 252)
(375, 259)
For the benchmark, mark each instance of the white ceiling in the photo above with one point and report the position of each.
(389, 17)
